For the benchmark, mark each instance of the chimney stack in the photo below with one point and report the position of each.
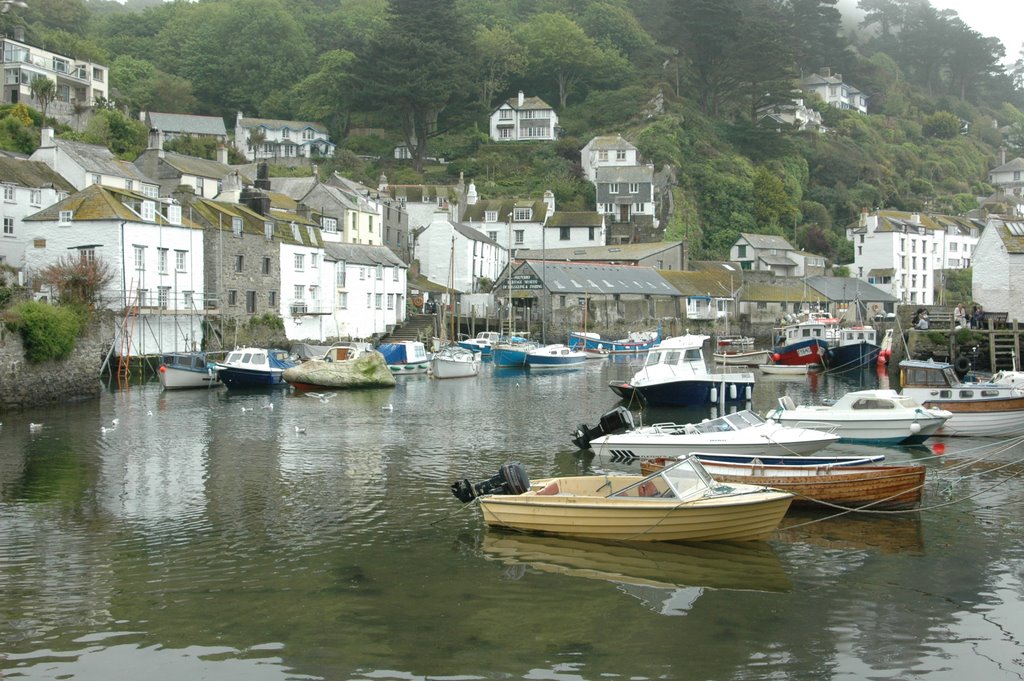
(521, 98)
(156, 141)
(19, 33)
(46, 139)
(262, 176)
(222, 154)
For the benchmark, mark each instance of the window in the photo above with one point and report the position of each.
(129, 185)
(314, 293)
(638, 208)
(505, 133)
(96, 179)
(369, 224)
(314, 261)
(163, 295)
(188, 299)
(87, 254)
(620, 154)
(64, 217)
(148, 211)
(563, 233)
(272, 299)
(380, 272)
(590, 233)
(309, 233)
(143, 298)
(268, 231)
(8, 192)
(391, 301)
(613, 188)
(161, 260)
(250, 302)
(140, 258)
(741, 251)
(369, 300)
(266, 264)
(300, 262)
(180, 261)
(239, 263)
(308, 134)
(394, 273)
(522, 214)
(339, 273)
(634, 187)
(493, 236)
(150, 190)
(295, 232)
(519, 235)
(491, 216)
(329, 225)
(236, 227)
(602, 155)
(378, 301)
(36, 197)
(8, 226)
(232, 297)
(505, 115)
(362, 273)
(200, 185)
(342, 301)
(298, 292)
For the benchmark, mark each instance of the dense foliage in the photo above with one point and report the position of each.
(683, 79)
(48, 332)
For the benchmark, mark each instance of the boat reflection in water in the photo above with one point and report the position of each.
(855, 531)
(668, 577)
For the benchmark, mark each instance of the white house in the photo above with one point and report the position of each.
(171, 125)
(522, 118)
(1009, 177)
(28, 187)
(369, 290)
(765, 253)
(78, 82)
(904, 253)
(155, 254)
(459, 255)
(997, 278)
(84, 164)
(831, 88)
(282, 139)
(307, 285)
(794, 113)
(625, 193)
(171, 170)
(607, 151)
(511, 223)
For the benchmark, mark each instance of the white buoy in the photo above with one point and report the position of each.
(732, 391)
(746, 393)
(714, 395)
(915, 428)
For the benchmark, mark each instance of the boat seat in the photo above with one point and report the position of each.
(550, 490)
(647, 489)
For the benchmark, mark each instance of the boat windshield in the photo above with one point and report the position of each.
(744, 419)
(684, 479)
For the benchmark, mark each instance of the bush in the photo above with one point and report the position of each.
(47, 332)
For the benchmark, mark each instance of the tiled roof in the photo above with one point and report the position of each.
(898, 221)
(714, 283)
(97, 202)
(503, 207)
(1011, 233)
(624, 174)
(218, 214)
(32, 174)
(1015, 164)
(848, 288)
(363, 254)
(609, 142)
(474, 234)
(186, 165)
(760, 241)
(528, 103)
(187, 123)
(575, 219)
(782, 290)
(98, 159)
(275, 124)
(414, 193)
(591, 278)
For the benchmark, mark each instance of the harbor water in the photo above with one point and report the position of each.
(253, 536)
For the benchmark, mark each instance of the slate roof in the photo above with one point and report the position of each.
(709, 282)
(611, 252)
(150, 160)
(592, 278)
(414, 193)
(97, 202)
(187, 124)
(781, 290)
(32, 174)
(1015, 164)
(769, 241)
(473, 233)
(363, 254)
(776, 260)
(899, 221)
(218, 214)
(1011, 233)
(575, 219)
(503, 207)
(624, 174)
(275, 124)
(849, 288)
(98, 159)
(528, 103)
(609, 142)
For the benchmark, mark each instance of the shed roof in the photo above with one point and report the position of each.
(598, 279)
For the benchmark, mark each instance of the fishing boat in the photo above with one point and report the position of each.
(405, 358)
(634, 343)
(254, 368)
(180, 370)
(674, 374)
(802, 343)
(877, 487)
(342, 366)
(681, 502)
(555, 356)
(855, 347)
(453, 361)
(741, 433)
(870, 416)
(511, 352)
(977, 408)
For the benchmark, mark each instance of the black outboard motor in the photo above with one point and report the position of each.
(618, 419)
(511, 479)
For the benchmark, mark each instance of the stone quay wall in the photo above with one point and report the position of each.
(24, 384)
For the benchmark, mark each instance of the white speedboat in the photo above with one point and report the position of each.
(743, 434)
(876, 416)
(978, 408)
(675, 375)
(180, 370)
(454, 361)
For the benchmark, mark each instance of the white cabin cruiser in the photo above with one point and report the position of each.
(978, 408)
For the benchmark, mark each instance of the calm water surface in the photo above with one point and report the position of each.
(203, 537)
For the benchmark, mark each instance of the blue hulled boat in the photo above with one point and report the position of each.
(254, 368)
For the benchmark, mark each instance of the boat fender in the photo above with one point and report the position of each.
(915, 427)
(714, 395)
(732, 391)
(747, 393)
(962, 366)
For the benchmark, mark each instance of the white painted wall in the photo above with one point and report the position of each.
(991, 282)
(368, 304)
(13, 245)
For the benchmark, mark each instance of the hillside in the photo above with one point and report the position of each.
(428, 72)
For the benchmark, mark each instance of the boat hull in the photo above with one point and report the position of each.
(452, 368)
(626, 448)
(747, 358)
(234, 377)
(580, 341)
(509, 357)
(555, 357)
(877, 487)
(812, 351)
(788, 370)
(853, 356)
(1002, 417)
(409, 369)
(187, 370)
(749, 517)
(688, 393)
(873, 431)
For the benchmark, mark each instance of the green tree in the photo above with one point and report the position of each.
(43, 91)
(125, 137)
(326, 94)
(557, 49)
(497, 57)
(941, 125)
(614, 25)
(772, 206)
(415, 68)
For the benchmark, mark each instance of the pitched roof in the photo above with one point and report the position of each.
(766, 241)
(779, 290)
(417, 192)
(575, 219)
(900, 221)
(848, 288)
(97, 202)
(593, 278)
(609, 142)
(1015, 164)
(31, 174)
(708, 282)
(474, 234)
(184, 164)
(219, 214)
(776, 260)
(187, 123)
(611, 252)
(363, 254)
(98, 159)
(1011, 233)
(275, 124)
(503, 207)
(528, 103)
(624, 174)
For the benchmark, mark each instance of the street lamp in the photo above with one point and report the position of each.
(6, 5)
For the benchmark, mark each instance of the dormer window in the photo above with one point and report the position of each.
(522, 214)
(308, 134)
(64, 217)
(491, 216)
(268, 231)
(329, 224)
(148, 211)
(285, 133)
(309, 233)
(295, 232)
(236, 226)
(174, 214)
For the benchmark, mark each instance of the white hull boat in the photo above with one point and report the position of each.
(749, 358)
(870, 416)
(788, 370)
(978, 409)
(744, 434)
(454, 361)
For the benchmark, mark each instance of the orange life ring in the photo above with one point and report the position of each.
(417, 301)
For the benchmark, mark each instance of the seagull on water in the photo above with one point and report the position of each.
(268, 406)
(35, 426)
(114, 422)
(245, 409)
(323, 397)
(300, 430)
(388, 407)
(149, 412)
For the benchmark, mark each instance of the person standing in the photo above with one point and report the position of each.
(959, 316)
